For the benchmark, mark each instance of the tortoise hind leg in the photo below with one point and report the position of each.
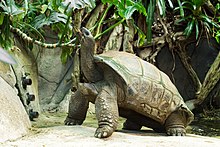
(175, 124)
(130, 125)
(78, 106)
(106, 112)
(135, 121)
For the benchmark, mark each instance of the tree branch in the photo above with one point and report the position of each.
(211, 79)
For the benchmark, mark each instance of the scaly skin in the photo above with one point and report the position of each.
(175, 124)
(106, 113)
(105, 104)
(78, 107)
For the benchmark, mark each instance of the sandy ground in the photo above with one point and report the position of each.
(50, 132)
(80, 136)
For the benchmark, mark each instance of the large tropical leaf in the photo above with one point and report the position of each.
(53, 17)
(135, 7)
(10, 8)
(79, 4)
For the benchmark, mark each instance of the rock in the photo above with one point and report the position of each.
(83, 136)
(14, 121)
(54, 78)
(26, 67)
(7, 74)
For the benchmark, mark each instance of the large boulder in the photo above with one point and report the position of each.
(14, 121)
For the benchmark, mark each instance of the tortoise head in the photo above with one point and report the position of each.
(86, 38)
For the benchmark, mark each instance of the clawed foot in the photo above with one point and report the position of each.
(70, 121)
(178, 131)
(104, 131)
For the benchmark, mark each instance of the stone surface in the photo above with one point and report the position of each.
(54, 77)
(83, 136)
(7, 74)
(14, 121)
(26, 67)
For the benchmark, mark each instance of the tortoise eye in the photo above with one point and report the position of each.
(85, 31)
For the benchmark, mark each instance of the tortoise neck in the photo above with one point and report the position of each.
(89, 69)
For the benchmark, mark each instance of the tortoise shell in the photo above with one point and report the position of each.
(147, 90)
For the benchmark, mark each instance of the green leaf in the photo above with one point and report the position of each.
(198, 3)
(149, 19)
(188, 5)
(162, 7)
(66, 52)
(10, 8)
(129, 11)
(55, 4)
(141, 36)
(29, 27)
(80, 4)
(136, 7)
(170, 3)
(197, 29)
(2, 15)
(207, 19)
(54, 17)
(182, 20)
(44, 8)
(181, 8)
(217, 37)
(26, 6)
(217, 6)
(189, 28)
(63, 57)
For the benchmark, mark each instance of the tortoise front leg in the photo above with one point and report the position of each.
(106, 112)
(78, 106)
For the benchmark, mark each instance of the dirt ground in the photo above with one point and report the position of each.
(49, 131)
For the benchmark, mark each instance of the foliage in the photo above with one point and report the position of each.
(191, 11)
(9, 11)
(32, 16)
(80, 4)
(126, 8)
(217, 33)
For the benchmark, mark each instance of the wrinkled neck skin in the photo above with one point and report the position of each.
(89, 69)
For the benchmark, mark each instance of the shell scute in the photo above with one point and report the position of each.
(147, 90)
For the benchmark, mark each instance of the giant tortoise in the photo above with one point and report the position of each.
(122, 84)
